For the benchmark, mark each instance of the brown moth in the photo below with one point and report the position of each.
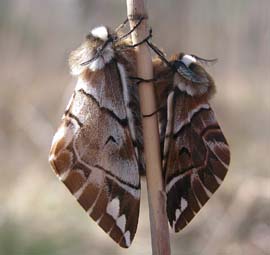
(97, 151)
(196, 154)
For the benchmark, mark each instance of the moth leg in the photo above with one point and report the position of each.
(160, 108)
(139, 80)
(160, 54)
(99, 52)
(130, 31)
(155, 112)
(139, 43)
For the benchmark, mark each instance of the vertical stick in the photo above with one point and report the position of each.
(156, 195)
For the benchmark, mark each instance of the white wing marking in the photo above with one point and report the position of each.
(113, 208)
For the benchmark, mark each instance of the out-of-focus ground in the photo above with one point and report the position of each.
(38, 216)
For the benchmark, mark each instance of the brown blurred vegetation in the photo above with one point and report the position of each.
(37, 213)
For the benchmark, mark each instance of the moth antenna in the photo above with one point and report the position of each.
(205, 61)
(160, 54)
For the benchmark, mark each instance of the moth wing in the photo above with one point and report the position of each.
(93, 154)
(197, 160)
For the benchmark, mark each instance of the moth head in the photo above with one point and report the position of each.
(190, 77)
(95, 52)
(186, 59)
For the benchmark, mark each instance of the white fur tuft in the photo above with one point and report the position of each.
(100, 32)
(187, 60)
(80, 56)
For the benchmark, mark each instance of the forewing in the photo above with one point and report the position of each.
(93, 154)
(197, 160)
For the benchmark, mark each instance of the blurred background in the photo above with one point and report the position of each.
(38, 215)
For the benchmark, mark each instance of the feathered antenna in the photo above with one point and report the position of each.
(205, 61)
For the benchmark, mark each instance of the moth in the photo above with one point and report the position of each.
(195, 152)
(97, 151)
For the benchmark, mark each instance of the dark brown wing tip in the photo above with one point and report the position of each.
(199, 198)
(117, 216)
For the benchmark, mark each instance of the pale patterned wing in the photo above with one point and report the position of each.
(197, 160)
(93, 154)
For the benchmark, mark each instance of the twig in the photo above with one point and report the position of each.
(156, 195)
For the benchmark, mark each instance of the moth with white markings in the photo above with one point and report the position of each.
(97, 151)
(196, 154)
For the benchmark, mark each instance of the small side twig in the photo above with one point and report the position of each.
(156, 195)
